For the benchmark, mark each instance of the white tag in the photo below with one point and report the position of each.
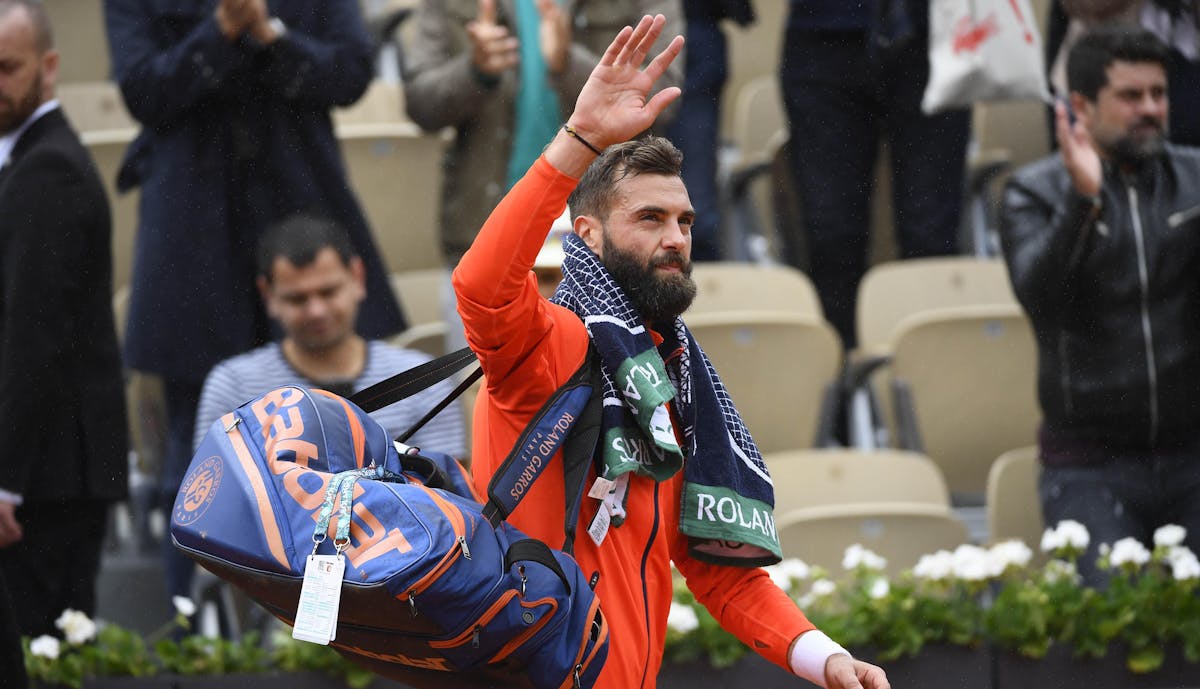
(599, 526)
(320, 595)
(600, 488)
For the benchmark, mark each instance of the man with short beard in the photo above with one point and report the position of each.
(676, 476)
(63, 438)
(1102, 243)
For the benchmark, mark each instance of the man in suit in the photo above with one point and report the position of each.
(62, 413)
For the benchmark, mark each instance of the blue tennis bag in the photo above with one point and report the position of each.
(439, 591)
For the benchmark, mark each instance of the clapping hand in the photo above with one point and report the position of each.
(493, 48)
(1079, 154)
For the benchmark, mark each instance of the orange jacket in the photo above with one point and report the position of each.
(529, 347)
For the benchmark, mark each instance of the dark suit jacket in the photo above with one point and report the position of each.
(234, 137)
(62, 407)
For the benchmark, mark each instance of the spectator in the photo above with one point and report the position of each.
(312, 283)
(234, 105)
(626, 280)
(696, 130)
(62, 406)
(1101, 245)
(851, 74)
(1173, 21)
(504, 77)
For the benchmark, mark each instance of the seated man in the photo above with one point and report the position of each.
(312, 284)
(673, 447)
(1102, 247)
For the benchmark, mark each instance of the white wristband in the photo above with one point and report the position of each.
(810, 652)
(10, 498)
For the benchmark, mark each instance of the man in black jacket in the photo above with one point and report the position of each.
(62, 412)
(1102, 243)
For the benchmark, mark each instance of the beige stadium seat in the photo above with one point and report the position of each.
(396, 172)
(900, 532)
(834, 476)
(758, 120)
(892, 291)
(80, 39)
(776, 366)
(964, 387)
(1014, 509)
(382, 103)
(736, 286)
(95, 106)
(426, 337)
(420, 293)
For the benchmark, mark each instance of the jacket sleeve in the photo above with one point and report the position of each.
(745, 602)
(161, 84)
(440, 85)
(326, 61)
(1044, 230)
(504, 315)
(41, 255)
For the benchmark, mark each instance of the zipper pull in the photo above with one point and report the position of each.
(462, 543)
(475, 636)
(412, 602)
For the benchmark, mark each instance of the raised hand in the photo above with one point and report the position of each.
(1079, 154)
(493, 48)
(612, 105)
(235, 16)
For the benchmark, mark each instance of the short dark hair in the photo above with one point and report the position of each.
(43, 34)
(1095, 51)
(597, 188)
(299, 238)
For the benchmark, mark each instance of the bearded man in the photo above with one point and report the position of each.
(1102, 243)
(672, 446)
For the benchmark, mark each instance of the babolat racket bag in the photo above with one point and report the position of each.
(438, 591)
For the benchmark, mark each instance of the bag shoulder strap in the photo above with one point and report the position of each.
(569, 419)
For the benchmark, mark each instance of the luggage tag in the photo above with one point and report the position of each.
(320, 596)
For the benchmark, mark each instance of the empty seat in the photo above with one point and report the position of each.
(964, 388)
(426, 337)
(777, 366)
(730, 286)
(834, 476)
(900, 532)
(420, 293)
(1014, 509)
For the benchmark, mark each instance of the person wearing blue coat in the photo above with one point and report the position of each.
(234, 99)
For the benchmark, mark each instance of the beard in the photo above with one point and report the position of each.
(14, 111)
(1143, 141)
(656, 298)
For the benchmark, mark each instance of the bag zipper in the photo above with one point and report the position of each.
(1147, 332)
(490, 614)
(458, 523)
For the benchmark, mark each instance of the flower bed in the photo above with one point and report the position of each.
(992, 603)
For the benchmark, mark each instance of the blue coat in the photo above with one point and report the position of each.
(234, 136)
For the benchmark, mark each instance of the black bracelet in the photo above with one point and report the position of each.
(575, 135)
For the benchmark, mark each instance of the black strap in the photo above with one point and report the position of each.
(437, 408)
(533, 550)
(414, 380)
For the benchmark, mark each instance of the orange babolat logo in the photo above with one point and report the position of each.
(282, 425)
(199, 489)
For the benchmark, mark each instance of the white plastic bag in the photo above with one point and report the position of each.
(983, 50)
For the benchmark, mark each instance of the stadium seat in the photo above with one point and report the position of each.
(1014, 509)
(420, 293)
(776, 366)
(834, 476)
(736, 286)
(900, 532)
(963, 382)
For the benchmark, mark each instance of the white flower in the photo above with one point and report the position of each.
(823, 587)
(1129, 550)
(184, 605)
(1184, 564)
(858, 556)
(77, 626)
(935, 567)
(1169, 535)
(787, 572)
(1074, 534)
(1051, 540)
(682, 618)
(879, 588)
(1013, 553)
(45, 647)
(1061, 570)
(970, 563)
